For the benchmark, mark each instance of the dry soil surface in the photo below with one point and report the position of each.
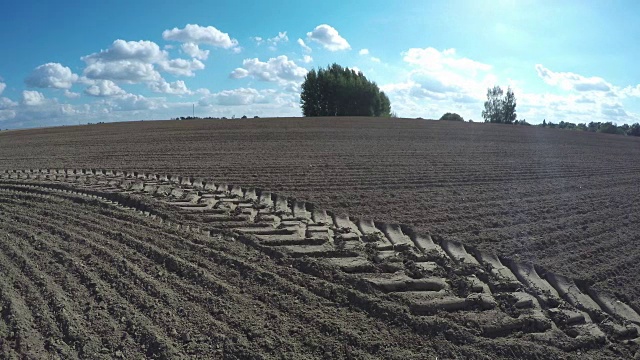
(566, 201)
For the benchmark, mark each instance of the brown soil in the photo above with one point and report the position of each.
(564, 200)
(85, 279)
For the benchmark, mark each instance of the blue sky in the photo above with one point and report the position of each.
(75, 62)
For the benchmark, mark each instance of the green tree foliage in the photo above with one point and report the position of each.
(493, 105)
(338, 91)
(499, 109)
(452, 117)
(606, 128)
(566, 125)
(509, 107)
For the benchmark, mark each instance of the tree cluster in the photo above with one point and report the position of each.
(601, 127)
(338, 91)
(499, 109)
(452, 117)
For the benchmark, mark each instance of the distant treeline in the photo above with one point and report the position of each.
(211, 118)
(502, 110)
(601, 127)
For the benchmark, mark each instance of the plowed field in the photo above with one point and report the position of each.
(216, 270)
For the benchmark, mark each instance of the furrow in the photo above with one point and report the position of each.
(56, 306)
(140, 328)
(271, 282)
(23, 331)
(392, 260)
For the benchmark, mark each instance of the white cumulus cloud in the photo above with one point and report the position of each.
(442, 74)
(193, 50)
(274, 41)
(124, 70)
(633, 91)
(51, 75)
(615, 110)
(279, 69)
(307, 59)
(365, 52)
(70, 94)
(440, 81)
(181, 67)
(139, 61)
(236, 97)
(7, 114)
(303, 45)
(329, 38)
(132, 102)
(32, 98)
(193, 33)
(571, 81)
(142, 51)
(177, 87)
(433, 60)
(239, 73)
(104, 88)
(125, 61)
(6, 103)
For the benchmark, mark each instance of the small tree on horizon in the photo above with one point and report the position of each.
(452, 117)
(493, 105)
(509, 107)
(498, 109)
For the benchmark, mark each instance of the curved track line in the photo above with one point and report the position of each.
(499, 296)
